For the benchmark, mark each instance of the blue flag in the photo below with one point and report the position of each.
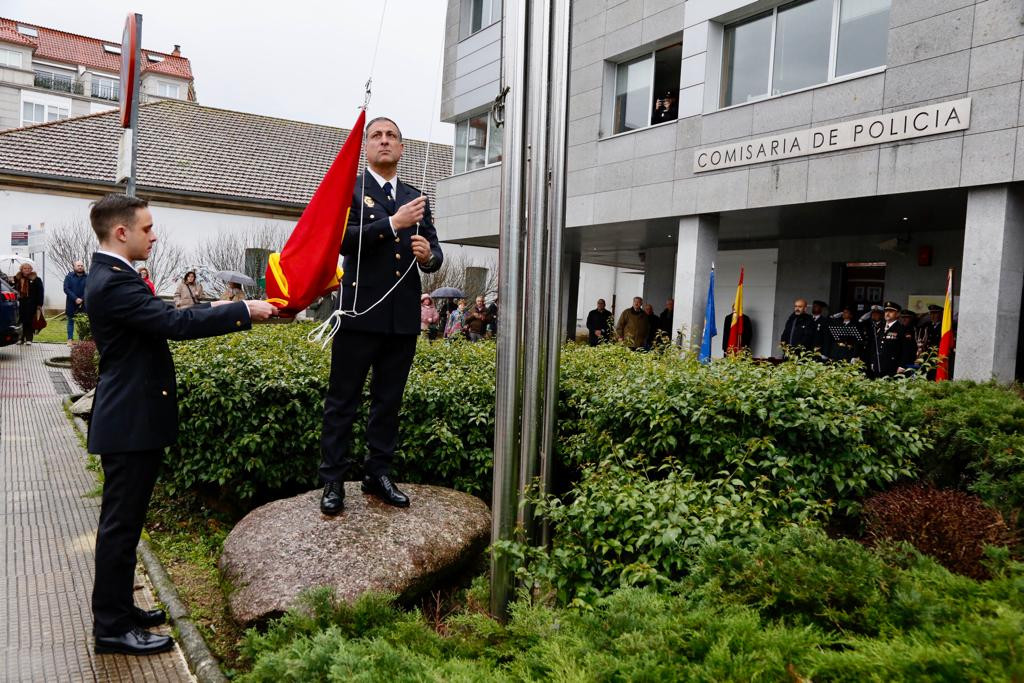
(709, 322)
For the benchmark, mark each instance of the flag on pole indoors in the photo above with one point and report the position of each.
(307, 266)
(736, 330)
(709, 322)
(946, 340)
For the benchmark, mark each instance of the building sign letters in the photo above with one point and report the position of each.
(933, 119)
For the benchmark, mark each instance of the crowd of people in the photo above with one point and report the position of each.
(638, 327)
(475, 324)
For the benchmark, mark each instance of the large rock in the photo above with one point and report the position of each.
(283, 548)
(83, 406)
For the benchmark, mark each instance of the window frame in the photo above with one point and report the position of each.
(650, 54)
(47, 109)
(487, 142)
(6, 64)
(833, 52)
(466, 17)
(161, 85)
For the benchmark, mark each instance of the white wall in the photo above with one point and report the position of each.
(760, 268)
(616, 286)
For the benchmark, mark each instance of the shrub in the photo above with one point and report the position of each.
(629, 524)
(951, 526)
(975, 434)
(85, 364)
(794, 606)
(82, 327)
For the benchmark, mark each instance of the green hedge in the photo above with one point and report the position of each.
(796, 606)
(251, 408)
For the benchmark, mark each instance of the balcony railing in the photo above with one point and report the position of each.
(106, 91)
(58, 82)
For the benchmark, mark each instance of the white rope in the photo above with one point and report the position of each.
(324, 332)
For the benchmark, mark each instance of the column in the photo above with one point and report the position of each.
(695, 251)
(570, 291)
(990, 285)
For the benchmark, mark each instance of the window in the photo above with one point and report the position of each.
(10, 58)
(105, 88)
(33, 112)
(165, 89)
(154, 58)
(57, 81)
(479, 14)
(802, 44)
(477, 143)
(647, 90)
(112, 49)
(28, 31)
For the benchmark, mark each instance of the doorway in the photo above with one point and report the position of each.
(861, 284)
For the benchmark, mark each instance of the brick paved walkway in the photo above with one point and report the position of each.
(48, 532)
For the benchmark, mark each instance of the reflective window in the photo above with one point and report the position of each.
(164, 89)
(477, 143)
(459, 155)
(479, 14)
(10, 58)
(803, 34)
(748, 49)
(647, 90)
(33, 112)
(802, 44)
(863, 34)
(494, 141)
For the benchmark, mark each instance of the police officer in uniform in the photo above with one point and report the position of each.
(135, 411)
(845, 349)
(398, 242)
(822, 339)
(894, 350)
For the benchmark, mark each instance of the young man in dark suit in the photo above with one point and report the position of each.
(135, 411)
(390, 239)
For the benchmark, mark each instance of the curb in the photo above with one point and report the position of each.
(201, 661)
(204, 665)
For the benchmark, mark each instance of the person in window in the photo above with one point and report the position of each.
(666, 107)
(189, 292)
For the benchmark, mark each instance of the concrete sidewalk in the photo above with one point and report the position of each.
(48, 532)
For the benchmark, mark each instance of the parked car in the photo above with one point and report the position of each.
(9, 323)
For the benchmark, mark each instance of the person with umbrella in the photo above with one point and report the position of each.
(235, 280)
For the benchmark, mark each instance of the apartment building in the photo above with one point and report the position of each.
(844, 150)
(47, 75)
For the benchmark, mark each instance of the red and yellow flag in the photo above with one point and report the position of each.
(307, 266)
(946, 340)
(736, 330)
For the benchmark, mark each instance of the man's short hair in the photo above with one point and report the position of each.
(384, 118)
(114, 209)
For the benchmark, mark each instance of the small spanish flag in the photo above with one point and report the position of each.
(307, 266)
(946, 340)
(736, 330)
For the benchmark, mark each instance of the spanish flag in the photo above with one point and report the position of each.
(736, 330)
(946, 340)
(307, 267)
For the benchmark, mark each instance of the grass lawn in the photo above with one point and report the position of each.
(55, 332)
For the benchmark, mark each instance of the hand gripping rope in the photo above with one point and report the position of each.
(324, 332)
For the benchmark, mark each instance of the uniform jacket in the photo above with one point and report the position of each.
(745, 336)
(385, 261)
(633, 327)
(74, 288)
(894, 348)
(136, 408)
(799, 331)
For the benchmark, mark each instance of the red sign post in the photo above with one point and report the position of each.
(131, 60)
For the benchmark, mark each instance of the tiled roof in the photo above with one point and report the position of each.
(192, 148)
(71, 48)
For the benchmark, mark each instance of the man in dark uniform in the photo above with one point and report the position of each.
(398, 242)
(599, 324)
(745, 336)
(845, 349)
(930, 334)
(894, 350)
(799, 331)
(822, 339)
(135, 411)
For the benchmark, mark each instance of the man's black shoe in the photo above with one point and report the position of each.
(135, 642)
(147, 618)
(385, 489)
(333, 499)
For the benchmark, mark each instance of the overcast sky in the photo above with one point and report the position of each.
(303, 59)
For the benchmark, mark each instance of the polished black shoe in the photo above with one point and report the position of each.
(385, 489)
(135, 642)
(333, 499)
(148, 618)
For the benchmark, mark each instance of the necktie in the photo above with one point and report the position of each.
(391, 199)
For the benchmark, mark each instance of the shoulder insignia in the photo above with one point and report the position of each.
(368, 201)
(117, 268)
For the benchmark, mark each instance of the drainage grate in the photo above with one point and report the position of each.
(59, 383)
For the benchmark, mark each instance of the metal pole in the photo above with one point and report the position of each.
(538, 295)
(510, 291)
(561, 23)
(130, 189)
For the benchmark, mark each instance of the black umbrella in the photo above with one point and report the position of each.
(448, 293)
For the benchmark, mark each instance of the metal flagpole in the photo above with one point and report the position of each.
(533, 173)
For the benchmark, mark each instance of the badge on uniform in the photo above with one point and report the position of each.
(368, 201)
(115, 268)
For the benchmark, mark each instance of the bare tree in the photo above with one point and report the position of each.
(225, 250)
(70, 242)
(166, 259)
(452, 273)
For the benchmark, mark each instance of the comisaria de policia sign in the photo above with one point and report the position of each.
(932, 119)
